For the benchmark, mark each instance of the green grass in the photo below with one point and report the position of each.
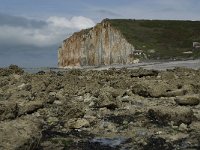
(168, 38)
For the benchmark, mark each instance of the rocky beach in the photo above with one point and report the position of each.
(99, 75)
(100, 109)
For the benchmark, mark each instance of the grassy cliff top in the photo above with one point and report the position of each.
(160, 38)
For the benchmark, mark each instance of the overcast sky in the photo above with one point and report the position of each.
(32, 30)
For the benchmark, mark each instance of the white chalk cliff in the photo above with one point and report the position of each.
(100, 45)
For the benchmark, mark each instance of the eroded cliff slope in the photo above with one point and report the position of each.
(100, 45)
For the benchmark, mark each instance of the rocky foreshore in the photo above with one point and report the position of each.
(108, 109)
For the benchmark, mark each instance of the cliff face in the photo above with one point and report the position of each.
(101, 45)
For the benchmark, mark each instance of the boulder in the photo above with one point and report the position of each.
(15, 69)
(143, 73)
(151, 88)
(195, 126)
(29, 107)
(8, 110)
(105, 99)
(88, 98)
(77, 123)
(114, 92)
(183, 127)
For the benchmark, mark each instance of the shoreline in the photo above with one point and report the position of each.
(156, 65)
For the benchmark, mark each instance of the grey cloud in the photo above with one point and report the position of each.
(33, 43)
(18, 21)
(108, 13)
(168, 10)
(16, 30)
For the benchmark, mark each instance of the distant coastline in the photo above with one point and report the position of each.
(156, 65)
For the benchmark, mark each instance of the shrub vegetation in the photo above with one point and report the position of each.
(168, 39)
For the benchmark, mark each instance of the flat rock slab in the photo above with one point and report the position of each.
(152, 88)
(174, 93)
(11, 109)
(165, 115)
(188, 100)
(23, 133)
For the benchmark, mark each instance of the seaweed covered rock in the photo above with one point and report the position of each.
(12, 69)
(165, 115)
(22, 133)
(188, 100)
